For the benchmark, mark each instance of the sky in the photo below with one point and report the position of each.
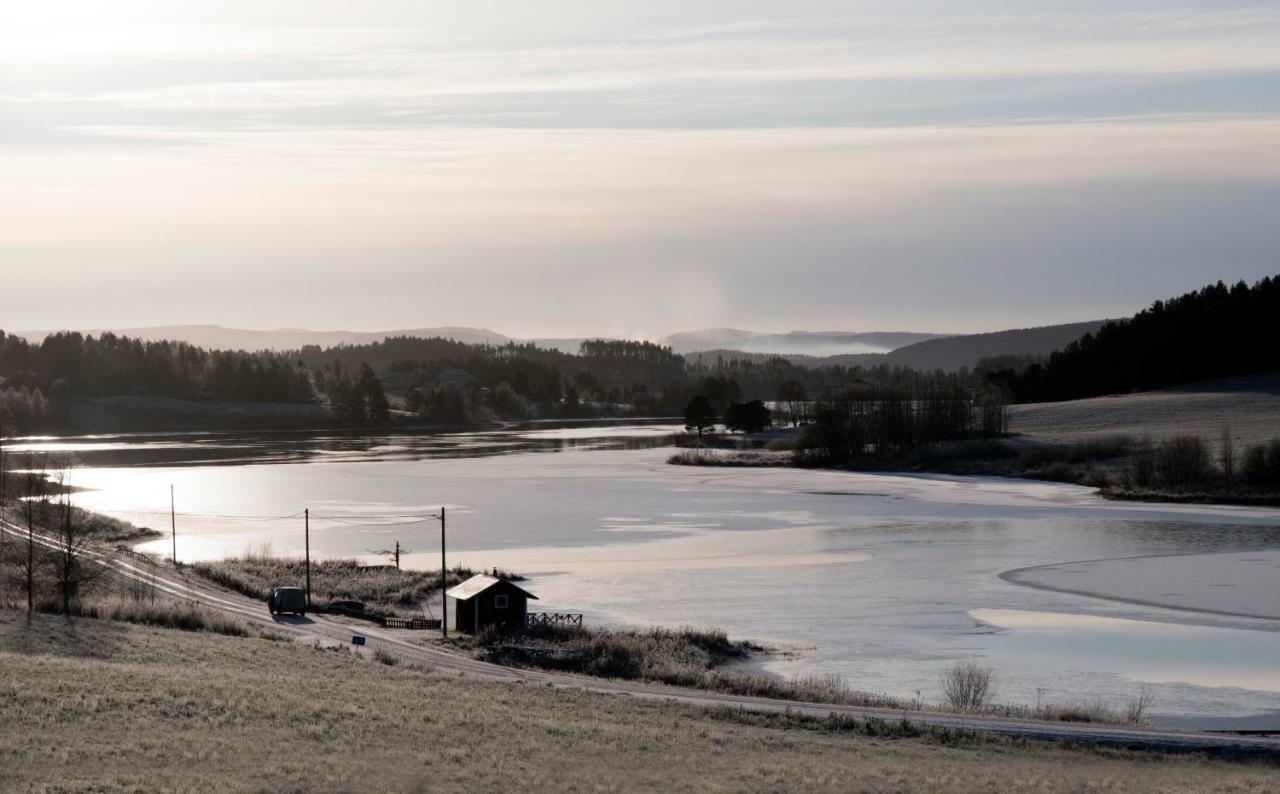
(631, 168)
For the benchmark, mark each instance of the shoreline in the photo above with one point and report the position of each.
(1013, 577)
(711, 457)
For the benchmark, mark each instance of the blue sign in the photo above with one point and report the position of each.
(357, 640)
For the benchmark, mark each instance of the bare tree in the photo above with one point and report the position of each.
(1227, 455)
(793, 394)
(968, 686)
(1136, 710)
(72, 535)
(34, 481)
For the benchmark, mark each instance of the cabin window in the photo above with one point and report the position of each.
(500, 602)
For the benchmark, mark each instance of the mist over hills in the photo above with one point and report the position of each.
(949, 353)
(804, 343)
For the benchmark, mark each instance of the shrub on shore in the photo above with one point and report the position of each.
(743, 458)
(681, 657)
(1181, 468)
(693, 658)
(968, 686)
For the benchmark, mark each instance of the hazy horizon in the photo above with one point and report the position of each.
(763, 331)
(631, 169)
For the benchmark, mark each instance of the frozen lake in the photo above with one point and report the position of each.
(883, 579)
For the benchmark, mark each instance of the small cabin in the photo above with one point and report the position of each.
(483, 601)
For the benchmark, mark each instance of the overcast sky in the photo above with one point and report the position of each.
(631, 168)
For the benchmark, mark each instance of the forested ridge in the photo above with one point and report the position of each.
(1213, 332)
(402, 379)
(1216, 331)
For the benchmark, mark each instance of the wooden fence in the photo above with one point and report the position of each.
(542, 620)
(392, 622)
(137, 555)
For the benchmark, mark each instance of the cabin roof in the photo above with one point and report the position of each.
(480, 583)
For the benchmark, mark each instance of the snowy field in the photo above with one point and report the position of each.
(1250, 406)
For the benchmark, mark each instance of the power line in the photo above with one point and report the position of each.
(213, 515)
(374, 523)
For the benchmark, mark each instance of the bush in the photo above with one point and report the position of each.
(1136, 710)
(983, 449)
(1182, 461)
(383, 656)
(1142, 471)
(182, 615)
(1100, 448)
(1261, 464)
(968, 686)
(680, 656)
(1054, 472)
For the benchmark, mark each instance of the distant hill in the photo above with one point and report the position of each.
(803, 343)
(953, 352)
(948, 353)
(217, 337)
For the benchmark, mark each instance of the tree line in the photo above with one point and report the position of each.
(886, 422)
(1213, 332)
(431, 380)
(38, 382)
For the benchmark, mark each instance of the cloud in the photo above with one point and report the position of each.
(633, 168)
(561, 231)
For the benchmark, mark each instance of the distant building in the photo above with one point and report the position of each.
(483, 601)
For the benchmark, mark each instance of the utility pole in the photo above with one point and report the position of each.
(306, 518)
(444, 579)
(173, 526)
(31, 543)
(3, 494)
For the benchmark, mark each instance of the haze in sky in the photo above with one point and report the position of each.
(631, 168)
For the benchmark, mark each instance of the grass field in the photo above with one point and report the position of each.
(91, 705)
(1250, 406)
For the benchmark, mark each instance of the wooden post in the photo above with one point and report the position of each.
(444, 580)
(173, 525)
(3, 534)
(306, 518)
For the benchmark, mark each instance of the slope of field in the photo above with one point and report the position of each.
(110, 707)
(1249, 405)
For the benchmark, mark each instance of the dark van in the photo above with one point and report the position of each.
(287, 599)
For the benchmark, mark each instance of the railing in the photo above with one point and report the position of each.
(540, 620)
(411, 623)
(137, 555)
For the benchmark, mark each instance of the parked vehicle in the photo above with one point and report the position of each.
(287, 599)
